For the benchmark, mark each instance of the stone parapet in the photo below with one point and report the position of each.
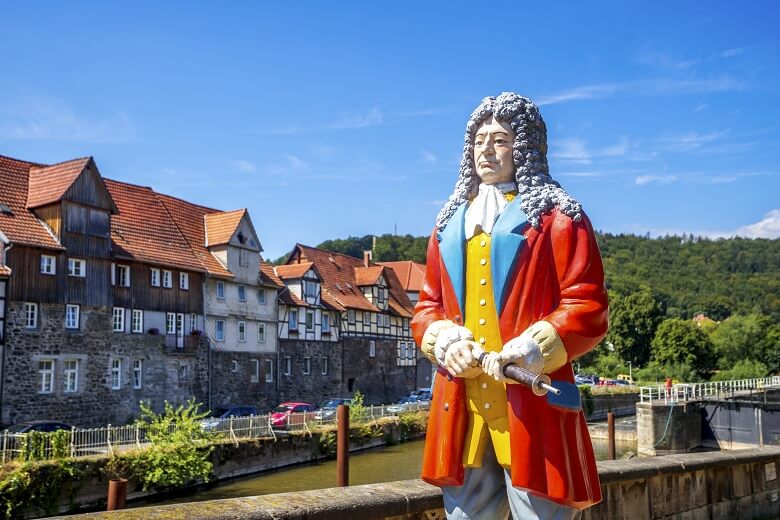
(740, 484)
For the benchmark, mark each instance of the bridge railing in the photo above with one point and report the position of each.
(112, 439)
(682, 392)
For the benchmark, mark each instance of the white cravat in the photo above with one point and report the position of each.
(486, 207)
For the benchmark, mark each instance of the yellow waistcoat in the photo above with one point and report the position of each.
(487, 403)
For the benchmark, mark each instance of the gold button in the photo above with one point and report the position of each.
(487, 406)
(482, 243)
(482, 281)
(446, 406)
(484, 385)
(482, 321)
(482, 340)
(482, 262)
(482, 302)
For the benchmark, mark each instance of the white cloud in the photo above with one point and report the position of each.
(243, 165)
(371, 118)
(296, 162)
(700, 107)
(730, 53)
(692, 140)
(571, 150)
(642, 180)
(44, 117)
(768, 227)
(645, 87)
(663, 60)
(617, 150)
(427, 156)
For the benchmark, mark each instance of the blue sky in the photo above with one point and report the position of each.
(329, 119)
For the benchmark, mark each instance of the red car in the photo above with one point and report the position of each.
(280, 417)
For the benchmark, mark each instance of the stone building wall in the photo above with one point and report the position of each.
(232, 381)
(378, 378)
(314, 387)
(167, 374)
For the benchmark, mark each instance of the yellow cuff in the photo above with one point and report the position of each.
(429, 338)
(551, 345)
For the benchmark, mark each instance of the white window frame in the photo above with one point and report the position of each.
(306, 366)
(261, 332)
(242, 293)
(77, 267)
(233, 365)
(255, 376)
(115, 373)
(219, 291)
(170, 323)
(167, 279)
(292, 319)
(324, 365)
(381, 295)
(75, 323)
(351, 319)
(30, 315)
(366, 318)
(325, 322)
(193, 322)
(70, 376)
(46, 376)
(242, 331)
(184, 281)
(48, 265)
(123, 275)
(219, 330)
(288, 365)
(269, 370)
(138, 374)
(137, 321)
(309, 314)
(261, 296)
(118, 319)
(155, 277)
(371, 348)
(184, 371)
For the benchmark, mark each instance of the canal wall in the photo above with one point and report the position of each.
(741, 484)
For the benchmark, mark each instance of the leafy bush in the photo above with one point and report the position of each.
(745, 369)
(357, 410)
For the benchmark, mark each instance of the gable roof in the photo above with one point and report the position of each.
(339, 280)
(189, 219)
(367, 275)
(293, 271)
(5, 270)
(144, 231)
(49, 183)
(410, 274)
(221, 226)
(21, 226)
(268, 276)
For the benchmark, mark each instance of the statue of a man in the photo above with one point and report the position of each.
(513, 270)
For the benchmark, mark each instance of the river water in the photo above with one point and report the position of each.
(396, 462)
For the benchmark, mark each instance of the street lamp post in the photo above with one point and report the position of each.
(630, 378)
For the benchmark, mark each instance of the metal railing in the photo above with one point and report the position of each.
(683, 392)
(109, 440)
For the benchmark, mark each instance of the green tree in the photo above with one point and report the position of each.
(744, 369)
(682, 342)
(741, 338)
(633, 320)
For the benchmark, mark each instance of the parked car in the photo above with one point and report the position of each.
(218, 414)
(623, 382)
(280, 416)
(404, 404)
(585, 379)
(38, 426)
(327, 411)
(422, 394)
(603, 381)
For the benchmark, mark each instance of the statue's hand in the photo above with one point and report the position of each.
(522, 351)
(459, 359)
(447, 337)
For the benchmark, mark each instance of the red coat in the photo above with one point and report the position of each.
(556, 275)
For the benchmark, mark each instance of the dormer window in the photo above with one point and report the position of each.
(310, 289)
(381, 295)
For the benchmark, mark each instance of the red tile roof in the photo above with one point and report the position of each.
(367, 275)
(21, 226)
(189, 218)
(221, 226)
(410, 274)
(269, 277)
(338, 273)
(293, 271)
(5, 270)
(49, 183)
(144, 231)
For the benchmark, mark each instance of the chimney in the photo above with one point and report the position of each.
(367, 257)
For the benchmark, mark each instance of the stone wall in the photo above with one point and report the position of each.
(166, 373)
(379, 378)
(741, 484)
(663, 429)
(232, 384)
(316, 386)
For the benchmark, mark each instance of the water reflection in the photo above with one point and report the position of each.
(398, 462)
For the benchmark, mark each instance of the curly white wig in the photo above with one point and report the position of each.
(537, 190)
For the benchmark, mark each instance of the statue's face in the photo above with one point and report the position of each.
(493, 152)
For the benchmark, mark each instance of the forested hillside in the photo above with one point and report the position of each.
(656, 285)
